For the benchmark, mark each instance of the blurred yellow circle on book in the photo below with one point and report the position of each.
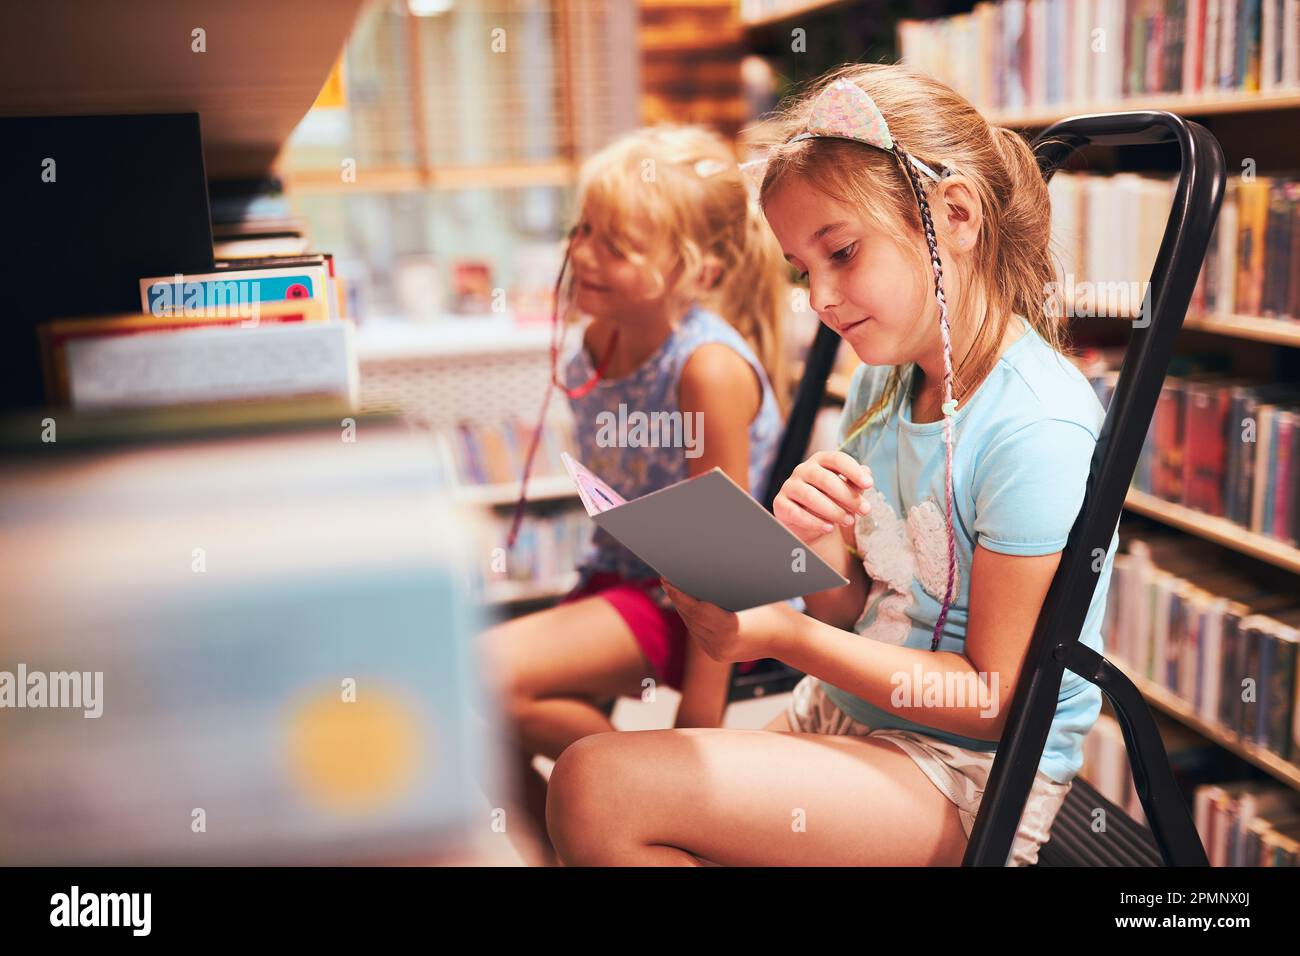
(354, 755)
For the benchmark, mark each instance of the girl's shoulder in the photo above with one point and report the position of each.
(1033, 383)
(703, 326)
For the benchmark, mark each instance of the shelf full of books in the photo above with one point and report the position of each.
(267, 322)
(482, 463)
(1029, 62)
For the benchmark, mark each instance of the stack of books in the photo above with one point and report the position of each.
(252, 329)
(254, 220)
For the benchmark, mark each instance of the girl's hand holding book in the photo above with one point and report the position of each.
(730, 636)
(821, 494)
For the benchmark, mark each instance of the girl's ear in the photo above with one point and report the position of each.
(962, 213)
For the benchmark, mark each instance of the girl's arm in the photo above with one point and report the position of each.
(840, 607)
(719, 391)
(966, 694)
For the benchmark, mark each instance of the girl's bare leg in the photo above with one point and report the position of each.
(747, 798)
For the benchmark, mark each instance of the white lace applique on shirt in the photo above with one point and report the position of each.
(895, 553)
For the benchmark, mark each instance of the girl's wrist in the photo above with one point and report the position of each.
(780, 629)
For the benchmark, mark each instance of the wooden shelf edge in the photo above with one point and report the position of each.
(795, 10)
(407, 179)
(1254, 328)
(1183, 105)
(1221, 531)
(543, 488)
(1174, 706)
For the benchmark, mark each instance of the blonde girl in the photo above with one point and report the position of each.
(684, 286)
(923, 235)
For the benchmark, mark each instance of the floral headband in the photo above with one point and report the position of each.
(843, 110)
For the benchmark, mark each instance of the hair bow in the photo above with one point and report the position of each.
(846, 111)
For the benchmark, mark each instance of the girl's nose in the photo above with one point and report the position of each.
(823, 295)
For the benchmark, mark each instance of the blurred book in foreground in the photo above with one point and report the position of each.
(249, 647)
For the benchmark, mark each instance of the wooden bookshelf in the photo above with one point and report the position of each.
(1170, 703)
(1213, 105)
(1221, 531)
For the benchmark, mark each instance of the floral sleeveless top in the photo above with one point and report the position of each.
(625, 438)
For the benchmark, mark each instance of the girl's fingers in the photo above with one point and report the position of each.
(797, 518)
(847, 496)
(842, 463)
(676, 596)
(818, 504)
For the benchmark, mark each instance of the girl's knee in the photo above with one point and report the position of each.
(582, 808)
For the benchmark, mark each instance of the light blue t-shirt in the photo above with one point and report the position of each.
(1023, 445)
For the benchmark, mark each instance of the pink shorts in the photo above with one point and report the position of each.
(659, 631)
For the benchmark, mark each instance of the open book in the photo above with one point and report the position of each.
(709, 538)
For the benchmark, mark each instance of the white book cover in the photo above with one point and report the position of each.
(1064, 190)
(1213, 655)
(213, 364)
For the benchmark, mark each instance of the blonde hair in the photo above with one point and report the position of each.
(1012, 269)
(683, 182)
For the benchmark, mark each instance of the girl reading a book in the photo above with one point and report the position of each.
(966, 439)
(683, 282)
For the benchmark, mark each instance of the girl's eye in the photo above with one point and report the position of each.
(614, 250)
(840, 255)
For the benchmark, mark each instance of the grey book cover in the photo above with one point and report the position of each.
(709, 538)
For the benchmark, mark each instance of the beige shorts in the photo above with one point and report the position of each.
(960, 774)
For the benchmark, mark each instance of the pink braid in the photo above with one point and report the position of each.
(949, 407)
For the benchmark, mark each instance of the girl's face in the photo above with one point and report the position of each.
(860, 283)
(606, 283)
